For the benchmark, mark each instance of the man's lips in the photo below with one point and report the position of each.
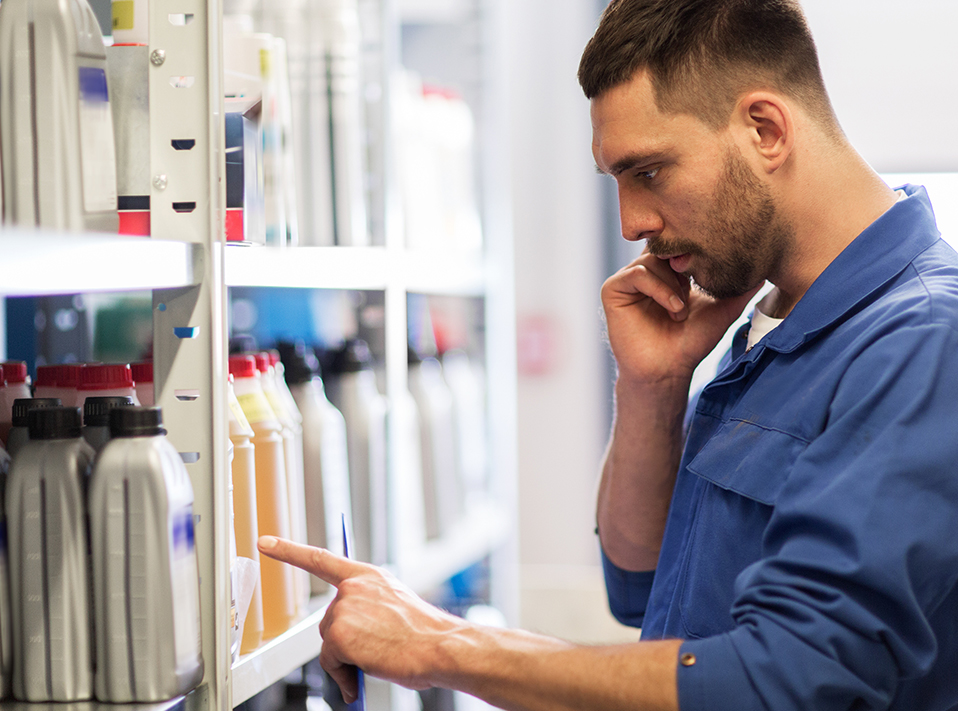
(678, 262)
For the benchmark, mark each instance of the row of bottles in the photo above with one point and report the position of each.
(296, 156)
(100, 591)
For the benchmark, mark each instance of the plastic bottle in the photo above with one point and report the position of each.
(244, 514)
(442, 487)
(5, 661)
(145, 573)
(338, 25)
(49, 563)
(59, 381)
(17, 386)
(291, 420)
(466, 380)
(56, 128)
(143, 381)
(96, 418)
(325, 460)
(131, 22)
(104, 380)
(19, 433)
(272, 493)
(351, 386)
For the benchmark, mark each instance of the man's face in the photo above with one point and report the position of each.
(688, 191)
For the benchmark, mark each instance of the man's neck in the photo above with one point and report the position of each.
(828, 211)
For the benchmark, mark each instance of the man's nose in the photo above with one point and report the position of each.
(638, 218)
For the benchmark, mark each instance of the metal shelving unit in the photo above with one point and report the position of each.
(188, 268)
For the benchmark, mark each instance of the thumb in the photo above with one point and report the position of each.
(332, 568)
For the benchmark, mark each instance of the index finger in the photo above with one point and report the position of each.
(332, 568)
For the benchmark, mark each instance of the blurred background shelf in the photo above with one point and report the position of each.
(364, 268)
(481, 531)
(357, 268)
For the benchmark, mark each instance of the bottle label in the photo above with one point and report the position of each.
(97, 152)
(256, 407)
(122, 15)
(186, 591)
(236, 410)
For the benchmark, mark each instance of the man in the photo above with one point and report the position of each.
(792, 546)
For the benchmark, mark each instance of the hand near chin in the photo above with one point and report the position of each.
(659, 327)
(375, 623)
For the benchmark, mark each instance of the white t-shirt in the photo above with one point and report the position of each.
(762, 325)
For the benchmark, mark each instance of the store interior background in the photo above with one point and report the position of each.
(892, 71)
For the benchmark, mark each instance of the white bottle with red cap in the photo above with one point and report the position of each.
(14, 385)
(105, 380)
(59, 381)
(143, 381)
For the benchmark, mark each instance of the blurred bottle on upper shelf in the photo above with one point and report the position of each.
(324, 40)
(434, 135)
(128, 66)
(257, 88)
(56, 127)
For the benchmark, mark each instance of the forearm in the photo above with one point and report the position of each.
(638, 471)
(519, 670)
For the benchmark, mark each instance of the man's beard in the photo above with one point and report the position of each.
(746, 240)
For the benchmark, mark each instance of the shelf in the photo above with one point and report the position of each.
(262, 667)
(483, 529)
(39, 262)
(173, 704)
(356, 268)
(451, 273)
(360, 268)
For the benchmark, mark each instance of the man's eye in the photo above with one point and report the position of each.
(647, 174)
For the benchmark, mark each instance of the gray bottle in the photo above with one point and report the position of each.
(351, 387)
(325, 459)
(146, 579)
(96, 418)
(19, 434)
(52, 646)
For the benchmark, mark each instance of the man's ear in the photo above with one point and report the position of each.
(767, 126)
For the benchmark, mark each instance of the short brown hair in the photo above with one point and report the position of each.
(702, 54)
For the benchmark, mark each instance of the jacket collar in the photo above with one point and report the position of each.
(879, 254)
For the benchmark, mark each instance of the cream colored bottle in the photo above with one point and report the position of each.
(244, 515)
(291, 420)
(272, 493)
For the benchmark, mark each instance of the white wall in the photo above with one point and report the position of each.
(891, 68)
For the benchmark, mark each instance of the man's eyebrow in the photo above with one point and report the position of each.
(631, 161)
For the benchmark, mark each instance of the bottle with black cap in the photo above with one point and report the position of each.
(52, 644)
(96, 418)
(351, 386)
(146, 579)
(325, 459)
(19, 433)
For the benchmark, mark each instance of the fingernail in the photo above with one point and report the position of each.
(676, 303)
(267, 543)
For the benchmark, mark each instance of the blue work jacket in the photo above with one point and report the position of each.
(811, 551)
